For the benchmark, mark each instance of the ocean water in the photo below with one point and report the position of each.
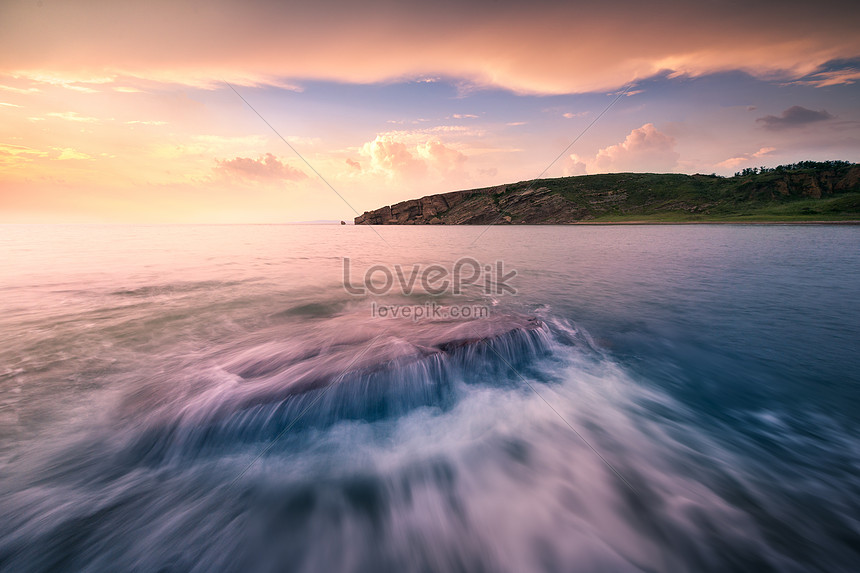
(211, 398)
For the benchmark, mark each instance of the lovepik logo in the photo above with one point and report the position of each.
(433, 279)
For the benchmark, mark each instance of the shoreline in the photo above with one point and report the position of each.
(847, 222)
(611, 223)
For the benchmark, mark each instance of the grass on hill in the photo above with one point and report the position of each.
(749, 196)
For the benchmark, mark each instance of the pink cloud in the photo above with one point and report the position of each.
(745, 158)
(733, 162)
(391, 156)
(645, 149)
(442, 157)
(397, 154)
(598, 45)
(576, 166)
(267, 167)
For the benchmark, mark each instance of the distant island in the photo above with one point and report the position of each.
(801, 192)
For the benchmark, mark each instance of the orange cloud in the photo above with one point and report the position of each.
(72, 116)
(597, 45)
(69, 153)
(14, 155)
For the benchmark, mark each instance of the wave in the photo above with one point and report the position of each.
(254, 393)
(401, 447)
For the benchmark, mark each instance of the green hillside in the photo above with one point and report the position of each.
(806, 191)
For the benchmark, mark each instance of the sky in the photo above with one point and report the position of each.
(271, 112)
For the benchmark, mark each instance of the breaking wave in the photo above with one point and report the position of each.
(508, 444)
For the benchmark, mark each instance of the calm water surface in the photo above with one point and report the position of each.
(202, 398)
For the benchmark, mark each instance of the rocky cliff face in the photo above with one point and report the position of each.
(478, 207)
(446, 208)
(574, 199)
(817, 185)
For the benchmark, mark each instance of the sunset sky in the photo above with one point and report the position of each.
(122, 112)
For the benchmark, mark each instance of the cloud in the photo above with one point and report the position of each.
(265, 168)
(391, 156)
(793, 117)
(599, 45)
(440, 156)
(627, 93)
(764, 151)
(18, 90)
(834, 78)
(72, 116)
(15, 154)
(72, 82)
(576, 166)
(69, 153)
(206, 146)
(571, 115)
(645, 149)
(734, 162)
(398, 154)
(840, 72)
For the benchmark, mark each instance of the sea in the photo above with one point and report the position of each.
(319, 398)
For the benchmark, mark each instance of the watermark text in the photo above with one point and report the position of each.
(430, 310)
(434, 279)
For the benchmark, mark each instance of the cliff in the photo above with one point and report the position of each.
(803, 191)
